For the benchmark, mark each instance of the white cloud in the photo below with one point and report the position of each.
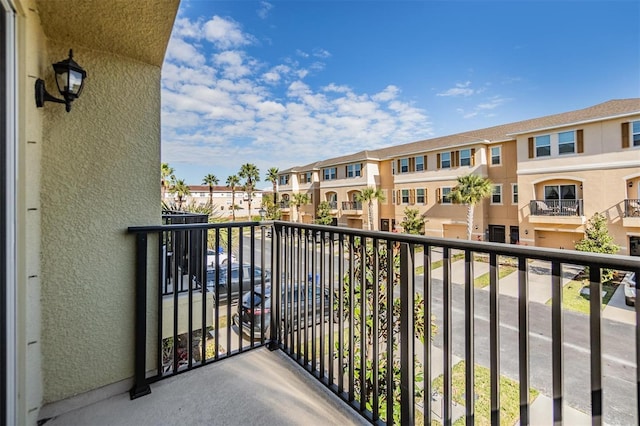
(460, 89)
(265, 8)
(225, 33)
(224, 107)
(183, 52)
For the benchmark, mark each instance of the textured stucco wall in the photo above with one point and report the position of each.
(100, 174)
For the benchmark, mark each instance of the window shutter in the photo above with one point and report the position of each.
(412, 196)
(625, 135)
(398, 169)
(398, 197)
(580, 137)
(455, 159)
(426, 199)
(412, 164)
(473, 156)
(438, 164)
(438, 197)
(424, 162)
(530, 147)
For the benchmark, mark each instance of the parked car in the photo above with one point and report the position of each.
(223, 258)
(262, 306)
(629, 282)
(223, 280)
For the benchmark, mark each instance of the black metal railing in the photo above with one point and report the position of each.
(351, 205)
(631, 208)
(346, 304)
(556, 208)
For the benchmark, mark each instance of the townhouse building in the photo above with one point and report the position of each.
(221, 198)
(549, 176)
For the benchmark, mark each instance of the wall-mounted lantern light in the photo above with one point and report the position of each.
(262, 213)
(526, 232)
(630, 184)
(70, 81)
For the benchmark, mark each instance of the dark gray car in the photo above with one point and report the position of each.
(229, 278)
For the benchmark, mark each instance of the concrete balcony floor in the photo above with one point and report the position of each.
(258, 387)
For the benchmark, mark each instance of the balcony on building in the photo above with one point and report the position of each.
(570, 212)
(272, 366)
(352, 207)
(631, 213)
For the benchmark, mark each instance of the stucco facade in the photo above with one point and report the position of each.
(588, 162)
(81, 179)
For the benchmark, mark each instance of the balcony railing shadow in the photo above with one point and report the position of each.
(344, 304)
(556, 207)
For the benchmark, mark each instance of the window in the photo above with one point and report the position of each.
(465, 157)
(635, 133)
(404, 165)
(445, 160)
(514, 193)
(419, 163)
(405, 196)
(420, 197)
(543, 146)
(496, 155)
(445, 195)
(329, 173)
(496, 195)
(354, 170)
(566, 143)
(306, 177)
(559, 192)
(284, 180)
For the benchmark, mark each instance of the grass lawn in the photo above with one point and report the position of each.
(483, 280)
(509, 395)
(573, 300)
(438, 264)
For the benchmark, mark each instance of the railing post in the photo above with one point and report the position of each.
(276, 304)
(407, 405)
(140, 385)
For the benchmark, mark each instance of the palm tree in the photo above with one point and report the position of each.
(181, 190)
(210, 180)
(367, 196)
(232, 182)
(272, 176)
(470, 190)
(300, 199)
(167, 177)
(251, 174)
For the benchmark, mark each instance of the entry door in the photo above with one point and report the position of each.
(634, 246)
(514, 234)
(497, 233)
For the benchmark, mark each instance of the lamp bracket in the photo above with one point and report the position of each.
(43, 96)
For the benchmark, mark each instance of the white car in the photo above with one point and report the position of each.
(629, 282)
(223, 257)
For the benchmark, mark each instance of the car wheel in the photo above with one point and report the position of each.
(628, 301)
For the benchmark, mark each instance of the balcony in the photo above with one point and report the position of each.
(333, 205)
(284, 205)
(631, 216)
(352, 207)
(318, 321)
(569, 212)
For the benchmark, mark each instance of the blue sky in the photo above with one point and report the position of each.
(284, 83)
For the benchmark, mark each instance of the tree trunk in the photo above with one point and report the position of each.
(469, 220)
(233, 205)
(370, 216)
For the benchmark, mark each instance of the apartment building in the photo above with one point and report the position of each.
(549, 176)
(221, 198)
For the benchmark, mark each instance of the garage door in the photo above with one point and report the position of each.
(455, 231)
(562, 240)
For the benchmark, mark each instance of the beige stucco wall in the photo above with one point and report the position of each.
(100, 174)
(30, 45)
(603, 170)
